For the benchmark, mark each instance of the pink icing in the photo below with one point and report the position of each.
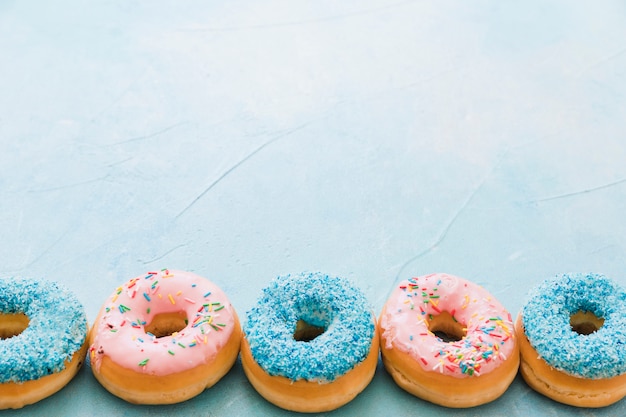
(120, 333)
(490, 335)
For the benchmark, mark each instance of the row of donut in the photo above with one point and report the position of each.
(311, 343)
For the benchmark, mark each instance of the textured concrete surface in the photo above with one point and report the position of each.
(370, 139)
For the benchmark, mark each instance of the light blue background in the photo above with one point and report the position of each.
(371, 139)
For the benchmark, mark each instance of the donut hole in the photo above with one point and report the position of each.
(12, 324)
(166, 324)
(445, 327)
(305, 332)
(585, 322)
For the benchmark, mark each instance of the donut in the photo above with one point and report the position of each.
(310, 343)
(164, 337)
(43, 333)
(448, 341)
(572, 333)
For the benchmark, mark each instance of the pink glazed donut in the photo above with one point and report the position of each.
(164, 337)
(448, 341)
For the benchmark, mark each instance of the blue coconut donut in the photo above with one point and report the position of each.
(310, 342)
(43, 331)
(572, 330)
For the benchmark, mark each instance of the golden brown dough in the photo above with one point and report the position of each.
(310, 396)
(562, 387)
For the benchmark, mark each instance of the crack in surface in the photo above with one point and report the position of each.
(442, 235)
(148, 136)
(446, 229)
(238, 164)
(580, 192)
(163, 255)
(64, 186)
(46, 250)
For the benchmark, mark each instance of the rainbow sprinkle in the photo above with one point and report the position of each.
(482, 335)
(202, 320)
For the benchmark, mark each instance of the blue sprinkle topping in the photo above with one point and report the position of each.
(546, 319)
(320, 300)
(57, 328)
